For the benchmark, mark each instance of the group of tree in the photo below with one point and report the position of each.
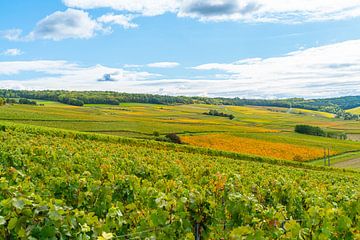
(79, 98)
(27, 101)
(219, 114)
(317, 131)
(347, 116)
(4, 101)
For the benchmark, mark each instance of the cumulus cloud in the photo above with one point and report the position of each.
(122, 20)
(163, 65)
(76, 23)
(219, 10)
(12, 52)
(71, 23)
(291, 11)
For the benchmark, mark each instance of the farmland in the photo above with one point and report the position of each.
(256, 147)
(62, 184)
(354, 110)
(260, 131)
(100, 171)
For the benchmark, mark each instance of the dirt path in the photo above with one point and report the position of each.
(353, 163)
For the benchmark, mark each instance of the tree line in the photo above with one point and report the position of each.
(26, 101)
(79, 98)
(219, 114)
(317, 131)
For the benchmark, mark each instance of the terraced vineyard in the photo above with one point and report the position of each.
(66, 185)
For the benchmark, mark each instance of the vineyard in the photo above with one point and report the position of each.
(261, 131)
(256, 147)
(58, 184)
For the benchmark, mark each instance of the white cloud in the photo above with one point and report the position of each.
(322, 71)
(163, 65)
(75, 23)
(71, 23)
(66, 75)
(11, 34)
(133, 66)
(327, 71)
(291, 11)
(122, 20)
(144, 7)
(12, 52)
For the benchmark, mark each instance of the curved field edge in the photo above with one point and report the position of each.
(160, 145)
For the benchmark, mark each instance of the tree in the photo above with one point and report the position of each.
(2, 101)
(173, 137)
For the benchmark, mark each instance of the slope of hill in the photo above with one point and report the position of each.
(354, 110)
(262, 131)
(61, 184)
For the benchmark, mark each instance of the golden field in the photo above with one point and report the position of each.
(243, 145)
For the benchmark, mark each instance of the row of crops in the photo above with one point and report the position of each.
(64, 185)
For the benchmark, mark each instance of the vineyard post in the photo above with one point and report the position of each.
(197, 232)
(223, 203)
(324, 157)
(329, 157)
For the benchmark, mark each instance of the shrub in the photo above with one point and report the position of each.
(173, 137)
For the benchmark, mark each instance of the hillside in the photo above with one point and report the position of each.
(60, 184)
(259, 131)
(79, 98)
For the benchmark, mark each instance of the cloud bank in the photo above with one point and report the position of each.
(327, 71)
(291, 11)
(76, 23)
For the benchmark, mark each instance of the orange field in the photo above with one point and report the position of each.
(256, 147)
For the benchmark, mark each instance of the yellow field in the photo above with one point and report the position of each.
(231, 143)
(354, 110)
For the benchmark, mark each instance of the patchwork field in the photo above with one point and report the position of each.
(260, 131)
(57, 184)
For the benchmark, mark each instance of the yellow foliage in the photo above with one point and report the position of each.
(231, 143)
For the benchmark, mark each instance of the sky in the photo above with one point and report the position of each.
(215, 48)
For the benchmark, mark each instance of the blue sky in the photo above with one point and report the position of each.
(231, 48)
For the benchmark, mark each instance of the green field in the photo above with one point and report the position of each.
(57, 184)
(263, 124)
